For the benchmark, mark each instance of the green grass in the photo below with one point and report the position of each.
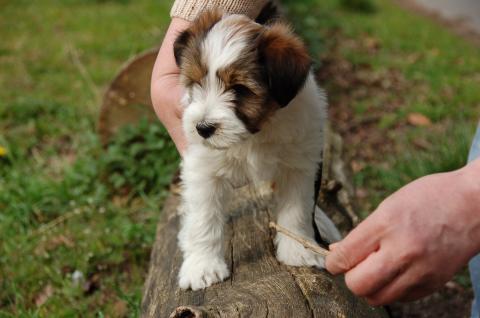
(67, 205)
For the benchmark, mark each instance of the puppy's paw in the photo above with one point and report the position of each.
(201, 272)
(293, 253)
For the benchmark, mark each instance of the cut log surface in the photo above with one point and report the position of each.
(127, 98)
(258, 286)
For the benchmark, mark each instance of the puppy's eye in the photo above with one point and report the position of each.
(241, 90)
(191, 84)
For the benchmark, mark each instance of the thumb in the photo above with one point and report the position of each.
(361, 242)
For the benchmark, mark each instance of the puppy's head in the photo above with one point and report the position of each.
(236, 75)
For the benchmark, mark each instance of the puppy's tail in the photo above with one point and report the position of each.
(327, 230)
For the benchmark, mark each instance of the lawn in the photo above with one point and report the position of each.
(77, 222)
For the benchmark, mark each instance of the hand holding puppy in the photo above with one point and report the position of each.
(165, 86)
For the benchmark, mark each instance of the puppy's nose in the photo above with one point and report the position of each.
(205, 129)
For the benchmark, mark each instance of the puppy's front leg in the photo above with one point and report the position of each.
(201, 234)
(295, 204)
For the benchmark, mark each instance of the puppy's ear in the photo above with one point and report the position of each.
(285, 60)
(198, 30)
(180, 45)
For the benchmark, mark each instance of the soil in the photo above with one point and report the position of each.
(449, 302)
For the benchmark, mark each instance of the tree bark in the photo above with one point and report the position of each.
(259, 286)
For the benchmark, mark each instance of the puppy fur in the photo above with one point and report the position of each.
(252, 113)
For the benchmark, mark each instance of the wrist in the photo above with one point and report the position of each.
(470, 178)
(470, 188)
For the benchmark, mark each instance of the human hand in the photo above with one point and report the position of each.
(165, 87)
(416, 239)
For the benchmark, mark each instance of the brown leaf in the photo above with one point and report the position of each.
(421, 143)
(120, 200)
(62, 240)
(357, 166)
(417, 119)
(371, 43)
(52, 244)
(120, 309)
(44, 295)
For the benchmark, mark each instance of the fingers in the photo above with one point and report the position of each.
(406, 287)
(373, 273)
(390, 293)
(354, 248)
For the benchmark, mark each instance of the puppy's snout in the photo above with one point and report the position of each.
(205, 129)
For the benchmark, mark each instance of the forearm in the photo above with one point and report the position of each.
(189, 9)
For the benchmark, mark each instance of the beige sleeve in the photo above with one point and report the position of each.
(189, 9)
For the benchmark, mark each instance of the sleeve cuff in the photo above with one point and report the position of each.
(190, 9)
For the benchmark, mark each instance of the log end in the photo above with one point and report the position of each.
(188, 312)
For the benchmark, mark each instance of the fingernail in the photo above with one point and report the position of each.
(332, 246)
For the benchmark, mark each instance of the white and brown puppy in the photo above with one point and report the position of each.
(252, 112)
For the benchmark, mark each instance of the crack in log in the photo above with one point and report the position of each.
(270, 233)
(237, 311)
(232, 262)
(307, 300)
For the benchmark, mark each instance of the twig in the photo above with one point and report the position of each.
(82, 70)
(50, 225)
(307, 244)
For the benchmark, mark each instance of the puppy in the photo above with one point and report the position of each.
(252, 112)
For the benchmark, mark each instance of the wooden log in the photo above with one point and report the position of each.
(259, 286)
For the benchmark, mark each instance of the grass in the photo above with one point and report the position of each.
(77, 222)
